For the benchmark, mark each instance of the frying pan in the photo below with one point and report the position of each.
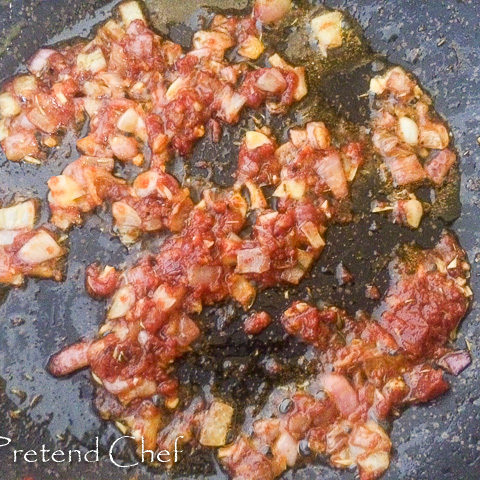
(437, 40)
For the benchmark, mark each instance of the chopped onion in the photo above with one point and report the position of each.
(204, 275)
(413, 212)
(215, 424)
(257, 199)
(272, 81)
(270, 11)
(327, 30)
(128, 121)
(286, 447)
(242, 291)
(146, 183)
(122, 302)
(125, 215)
(39, 62)
(290, 188)
(312, 234)
(92, 62)
(374, 464)
(318, 135)
(408, 130)
(25, 85)
(9, 106)
(252, 260)
(21, 215)
(131, 11)
(40, 248)
(64, 190)
(219, 41)
(165, 298)
(7, 236)
(254, 139)
(252, 47)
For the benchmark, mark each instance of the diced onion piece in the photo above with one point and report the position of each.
(327, 30)
(378, 85)
(312, 234)
(131, 11)
(146, 183)
(3, 129)
(252, 260)
(252, 47)
(175, 88)
(255, 140)
(40, 248)
(215, 424)
(304, 258)
(122, 302)
(290, 188)
(413, 212)
(408, 130)
(25, 85)
(92, 62)
(18, 216)
(219, 41)
(204, 275)
(375, 464)
(434, 136)
(128, 121)
(9, 106)
(242, 291)
(64, 190)
(298, 136)
(39, 62)
(165, 298)
(293, 275)
(7, 236)
(125, 215)
(286, 447)
(318, 135)
(272, 81)
(257, 199)
(270, 11)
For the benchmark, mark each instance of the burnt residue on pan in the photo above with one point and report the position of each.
(439, 44)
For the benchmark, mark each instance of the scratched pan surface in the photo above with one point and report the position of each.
(439, 41)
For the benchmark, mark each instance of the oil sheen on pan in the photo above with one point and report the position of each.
(229, 165)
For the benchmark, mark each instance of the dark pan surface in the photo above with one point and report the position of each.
(439, 41)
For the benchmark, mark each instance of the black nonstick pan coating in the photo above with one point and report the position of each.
(440, 42)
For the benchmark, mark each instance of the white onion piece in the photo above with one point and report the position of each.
(255, 140)
(93, 62)
(327, 30)
(122, 302)
(287, 448)
(40, 248)
(163, 298)
(64, 190)
(312, 234)
(318, 135)
(9, 106)
(272, 81)
(8, 236)
(270, 11)
(125, 215)
(408, 130)
(252, 260)
(251, 48)
(215, 424)
(18, 216)
(39, 62)
(146, 183)
(290, 188)
(128, 121)
(219, 41)
(131, 11)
